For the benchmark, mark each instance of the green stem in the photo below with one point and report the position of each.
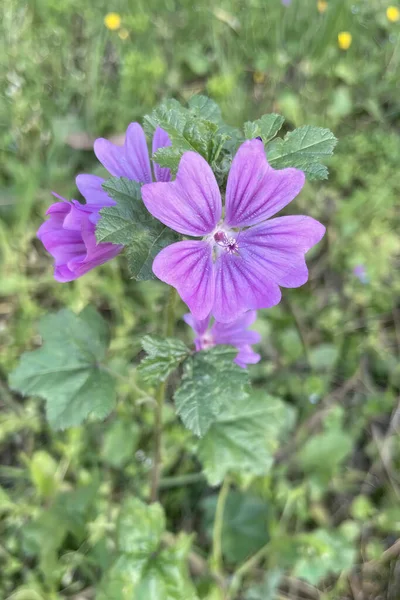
(160, 397)
(245, 568)
(216, 559)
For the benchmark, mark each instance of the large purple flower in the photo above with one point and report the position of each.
(242, 259)
(235, 333)
(69, 235)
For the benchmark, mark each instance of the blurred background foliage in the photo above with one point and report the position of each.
(329, 512)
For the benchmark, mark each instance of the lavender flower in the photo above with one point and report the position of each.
(241, 260)
(69, 235)
(235, 333)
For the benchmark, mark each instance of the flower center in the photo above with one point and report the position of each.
(205, 341)
(226, 241)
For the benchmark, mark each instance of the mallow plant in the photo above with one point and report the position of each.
(202, 213)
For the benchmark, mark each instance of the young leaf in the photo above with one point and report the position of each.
(188, 131)
(130, 223)
(143, 569)
(67, 370)
(205, 108)
(164, 356)
(210, 379)
(140, 527)
(244, 436)
(266, 127)
(303, 148)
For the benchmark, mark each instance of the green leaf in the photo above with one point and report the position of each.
(303, 148)
(267, 590)
(210, 379)
(188, 131)
(245, 525)
(244, 436)
(129, 223)
(164, 356)
(67, 370)
(205, 108)
(140, 527)
(144, 569)
(322, 553)
(266, 127)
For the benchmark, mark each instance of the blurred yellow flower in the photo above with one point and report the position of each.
(322, 5)
(344, 40)
(393, 14)
(258, 77)
(112, 21)
(123, 34)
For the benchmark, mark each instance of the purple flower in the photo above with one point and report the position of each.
(242, 259)
(286, 2)
(69, 234)
(235, 333)
(132, 160)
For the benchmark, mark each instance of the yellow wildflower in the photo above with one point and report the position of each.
(123, 34)
(322, 5)
(393, 14)
(344, 40)
(112, 21)
(258, 77)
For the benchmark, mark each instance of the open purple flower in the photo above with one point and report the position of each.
(235, 333)
(69, 234)
(242, 259)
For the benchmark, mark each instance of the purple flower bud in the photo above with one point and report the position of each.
(360, 272)
(69, 236)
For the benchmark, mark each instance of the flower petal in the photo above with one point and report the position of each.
(90, 186)
(256, 191)
(188, 267)
(161, 139)
(241, 285)
(237, 333)
(198, 326)
(130, 160)
(246, 356)
(192, 203)
(278, 247)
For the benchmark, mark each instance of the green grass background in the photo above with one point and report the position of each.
(331, 346)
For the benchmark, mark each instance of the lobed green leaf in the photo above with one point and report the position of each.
(266, 127)
(164, 356)
(244, 436)
(303, 148)
(210, 380)
(67, 371)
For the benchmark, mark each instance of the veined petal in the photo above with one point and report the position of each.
(130, 160)
(241, 285)
(256, 191)
(192, 203)
(188, 267)
(278, 246)
(161, 139)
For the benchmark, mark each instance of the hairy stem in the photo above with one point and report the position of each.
(216, 559)
(160, 397)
